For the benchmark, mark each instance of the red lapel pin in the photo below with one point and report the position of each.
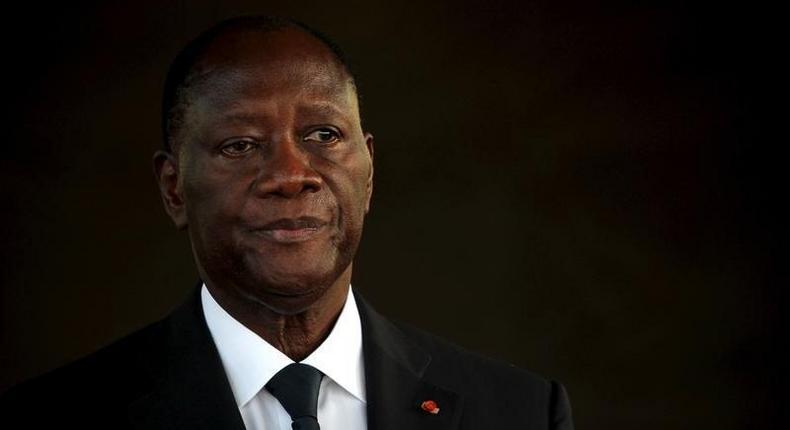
(430, 406)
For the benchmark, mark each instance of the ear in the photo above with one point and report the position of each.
(369, 186)
(167, 175)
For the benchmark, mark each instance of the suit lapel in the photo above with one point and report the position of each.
(395, 379)
(194, 393)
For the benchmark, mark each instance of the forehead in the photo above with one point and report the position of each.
(261, 65)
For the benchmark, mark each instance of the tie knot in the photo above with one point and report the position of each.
(296, 388)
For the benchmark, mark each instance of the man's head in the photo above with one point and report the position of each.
(183, 71)
(267, 165)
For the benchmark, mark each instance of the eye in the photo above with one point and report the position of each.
(238, 147)
(323, 136)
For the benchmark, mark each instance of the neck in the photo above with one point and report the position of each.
(297, 334)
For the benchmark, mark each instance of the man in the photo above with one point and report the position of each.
(269, 171)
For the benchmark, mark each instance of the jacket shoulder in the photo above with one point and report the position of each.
(489, 385)
(462, 364)
(132, 362)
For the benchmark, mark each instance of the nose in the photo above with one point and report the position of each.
(286, 172)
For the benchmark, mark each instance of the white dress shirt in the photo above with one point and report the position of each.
(250, 362)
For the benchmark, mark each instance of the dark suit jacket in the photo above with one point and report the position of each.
(169, 376)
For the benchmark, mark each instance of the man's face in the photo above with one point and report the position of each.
(274, 172)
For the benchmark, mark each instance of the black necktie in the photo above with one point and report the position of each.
(296, 387)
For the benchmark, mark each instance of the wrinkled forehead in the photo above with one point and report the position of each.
(259, 63)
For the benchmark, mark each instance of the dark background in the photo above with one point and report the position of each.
(588, 192)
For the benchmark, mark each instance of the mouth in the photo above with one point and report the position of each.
(291, 230)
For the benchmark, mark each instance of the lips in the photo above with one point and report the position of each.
(291, 230)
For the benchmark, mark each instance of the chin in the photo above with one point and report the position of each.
(288, 292)
(286, 299)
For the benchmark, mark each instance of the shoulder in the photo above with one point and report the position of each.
(484, 381)
(492, 388)
(465, 370)
(121, 370)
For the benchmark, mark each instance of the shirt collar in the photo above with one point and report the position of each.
(250, 361)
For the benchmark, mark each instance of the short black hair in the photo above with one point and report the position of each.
(181, 70)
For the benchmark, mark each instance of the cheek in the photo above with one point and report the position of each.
(352, 190)
(360, 177)
(212, 194)
(347, 173)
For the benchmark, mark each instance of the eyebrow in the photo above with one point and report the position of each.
(313, 109)
(321, 109)
(243, 117)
